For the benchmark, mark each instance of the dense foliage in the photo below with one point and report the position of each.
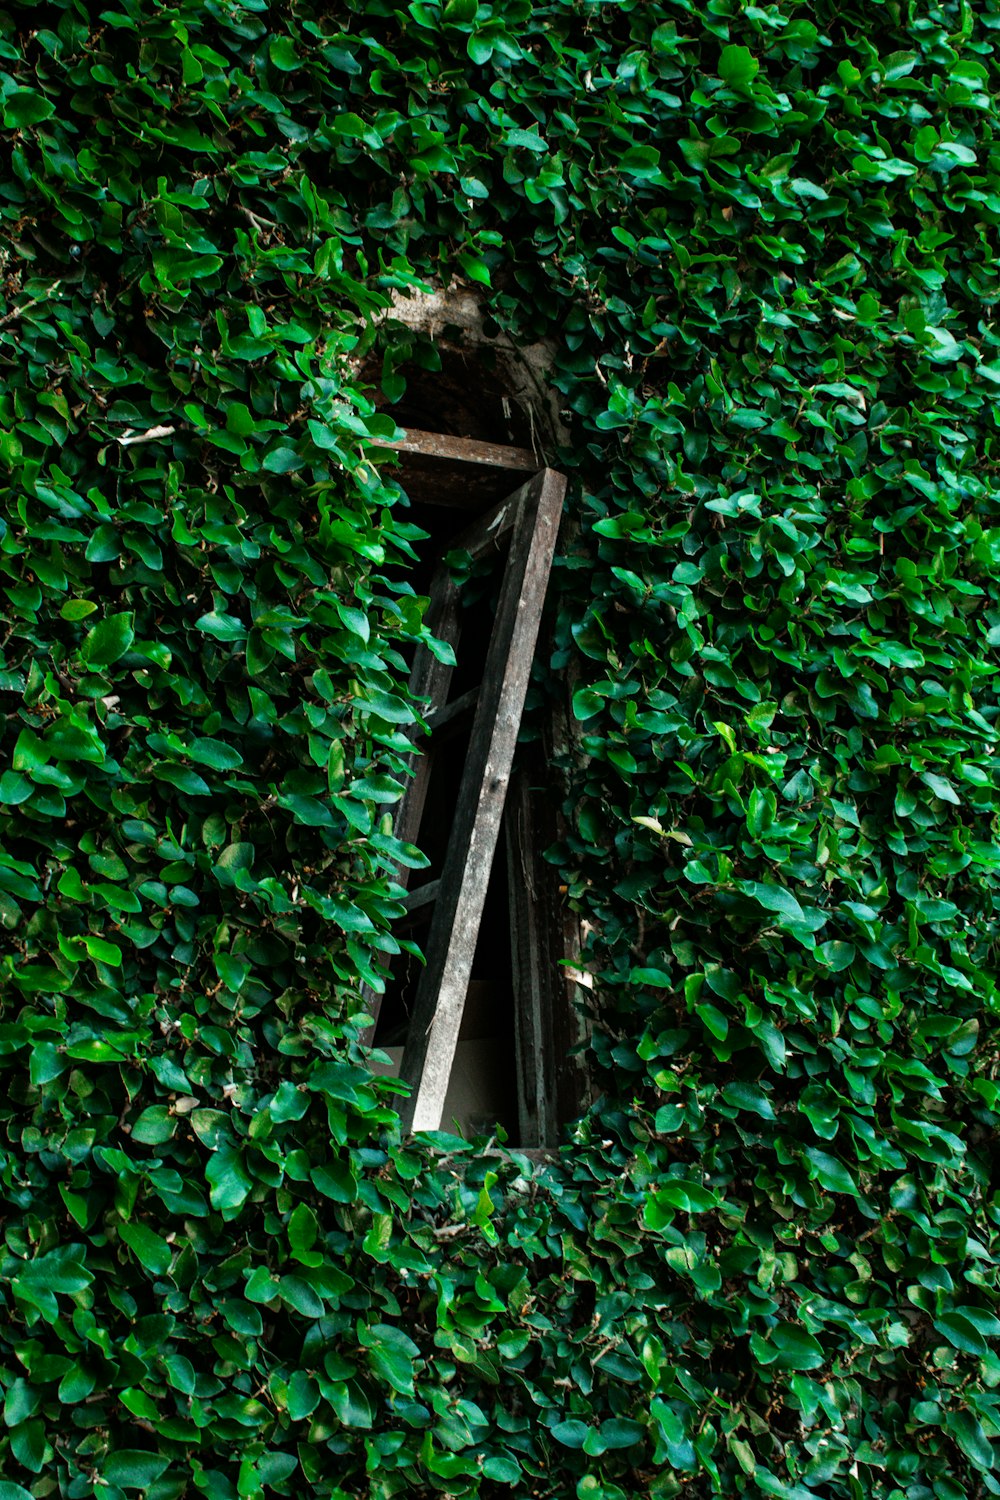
(763, 242)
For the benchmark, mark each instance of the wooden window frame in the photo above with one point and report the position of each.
(492, 793)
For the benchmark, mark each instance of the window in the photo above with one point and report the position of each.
(491, 1046)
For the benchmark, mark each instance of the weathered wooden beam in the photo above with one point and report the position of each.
(440, 999)
(437, 718)
(421, 895)
(492, 527)
(463, 451)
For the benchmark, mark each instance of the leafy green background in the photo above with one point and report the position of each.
(763, 242)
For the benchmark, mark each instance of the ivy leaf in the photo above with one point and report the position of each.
(700, 153)
(301, 1296)
(586, 703)
(61, 1271)
(103, 951)
(335, 1180)
(571, 1434)
(242, 1318)
(788, 1346)
(502, 1469)
(621, 1432)
(154, 1126)
(830, 1173)
(738, 67)
(391, 1354)
(27, 1443)
(108, 640)
(655, 978)
(77, 609)
(15, 788)
(303, 1396)
(150, 1248)
(474, 266)
(640, 162)
(970, 1437)
(673, 1196)
(282, 54)
(750, 1097)
(132, 1469)
(772, 897)
(289, 1103)
(222, 627)
(228, 1179)
(961, 1333)
(350, 1404)
(302, 1228)
(734, 248)
(215, 753)
(26, 107)
(21, 1402)
(261, 1287)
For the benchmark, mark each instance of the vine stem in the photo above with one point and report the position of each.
(18, 312)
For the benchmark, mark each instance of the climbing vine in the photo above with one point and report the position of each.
(761, 242)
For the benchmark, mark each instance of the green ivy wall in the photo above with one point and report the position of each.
(762, 242)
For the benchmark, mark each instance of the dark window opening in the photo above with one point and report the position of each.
(449, 391)
(476, 1031)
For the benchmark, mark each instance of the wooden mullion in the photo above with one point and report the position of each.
(548, 1025)
(492, 527)
(433, 1033)
(537, 1124)
(454, 709)
(421, 895)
